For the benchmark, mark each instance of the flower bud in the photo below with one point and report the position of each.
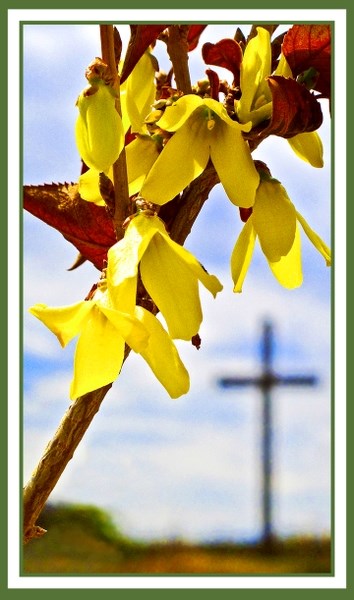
(99, 130)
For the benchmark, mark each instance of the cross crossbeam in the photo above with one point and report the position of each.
(265, 382)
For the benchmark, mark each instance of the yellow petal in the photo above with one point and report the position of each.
(242, 254)
(173, 287)
(129, 327)
(288, 270)
(123, 296)
(98, 357)
(124, 258)
(283, 67)
(138, 94)
(220, 110)
(170, 274)
(89, 187)
(183, 158)
(98, 130)
(176, 115)
(65, 322)
(315, 239)
(233, 163)
(274, 220)
(211, 282)
(162, 356)
(141, 154)
(308, 146)
(125, 255)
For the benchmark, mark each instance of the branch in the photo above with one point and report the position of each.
(180, 216)
(177, 48)
(191, 203)
(56, 456)
(120, 177)
(78, 417)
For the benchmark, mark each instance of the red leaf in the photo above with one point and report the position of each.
(141, 37)
(214, 83)
(306, 46)
(194, 34)
(295, 108)
(226, 53)
(87, 226)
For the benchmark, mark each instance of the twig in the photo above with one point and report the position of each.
(177, 48)
(191, 203)
(80, 414)
(56, 456)
(120, 177)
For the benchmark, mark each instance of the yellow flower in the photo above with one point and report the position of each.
(99, 130)
(203, 131)
(169, 272)
(103, 332)
(274, 220)
(255, 103)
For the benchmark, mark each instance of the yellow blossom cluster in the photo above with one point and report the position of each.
(197, 130)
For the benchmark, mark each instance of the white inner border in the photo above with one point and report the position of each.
(339, 341)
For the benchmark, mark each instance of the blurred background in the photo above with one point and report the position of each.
(187, 470)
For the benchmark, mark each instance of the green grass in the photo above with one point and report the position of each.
(83, 540)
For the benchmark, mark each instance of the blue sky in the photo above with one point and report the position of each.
(187, 468)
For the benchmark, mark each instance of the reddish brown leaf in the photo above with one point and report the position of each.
(214, 83)
(226, 53)
(295, 108)
(308, 46)
(87, 226)
(194, 34)
(141, 37)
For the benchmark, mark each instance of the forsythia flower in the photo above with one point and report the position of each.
(203, 131)
(103, 332)
(255, 103)
(274, 220)
(99, 130)
(169, 272)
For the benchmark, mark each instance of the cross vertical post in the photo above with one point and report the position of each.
(267, 432)
(267, 380)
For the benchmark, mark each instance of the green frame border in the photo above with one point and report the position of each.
(133, 4)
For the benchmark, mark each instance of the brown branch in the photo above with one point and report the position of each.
(177, 48)
(56, 456)
(120, 177)
(180, 216)
(191, 203)
(80, 414)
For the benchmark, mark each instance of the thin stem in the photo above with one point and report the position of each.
(177, 48)
(120, 177)
(80, 414)
(56, 456)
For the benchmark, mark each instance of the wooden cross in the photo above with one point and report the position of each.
(267, 380)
